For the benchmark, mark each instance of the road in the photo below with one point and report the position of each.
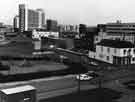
(53, 86)
(61, 86)
(56, 86)
(128, 94)
(114, 83)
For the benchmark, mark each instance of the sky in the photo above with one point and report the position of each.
(90, 12)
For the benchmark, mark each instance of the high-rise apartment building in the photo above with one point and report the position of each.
(30, 19)
(16, 23)
(22, 18)
(69, 28)
(41, 19)
(52, 25)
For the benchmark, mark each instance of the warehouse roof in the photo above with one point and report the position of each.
(17, 89)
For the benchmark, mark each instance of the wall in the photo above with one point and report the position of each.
(19, 97)
(102, 54)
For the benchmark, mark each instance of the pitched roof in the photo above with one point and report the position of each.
(116, 43)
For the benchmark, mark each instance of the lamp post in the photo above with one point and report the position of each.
(100, 78)
(129, 57)
(79, 84)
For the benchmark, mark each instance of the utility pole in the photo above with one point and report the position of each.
(100, 80)
(79, 84)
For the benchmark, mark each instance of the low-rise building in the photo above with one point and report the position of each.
(64, 43)
(117, 30)
(38, 34)
(16, 23)
(114, 52)
(25, 93)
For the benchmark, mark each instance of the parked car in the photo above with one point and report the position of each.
(130, 84)
(93, 63)
(84, 77)
(4, 67)
(92, 74)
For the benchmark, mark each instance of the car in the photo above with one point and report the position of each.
(51, 46)
(130, 84)
(92, 74)
(93, 63)
(83, 77)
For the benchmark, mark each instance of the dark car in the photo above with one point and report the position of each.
(92, 74)
(130, 84)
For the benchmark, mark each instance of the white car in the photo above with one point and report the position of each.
(93, 63)
(51, 46)
(83, 77)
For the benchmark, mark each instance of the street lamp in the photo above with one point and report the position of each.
(79, 84)
(129, 57)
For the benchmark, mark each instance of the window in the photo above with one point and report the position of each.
(129, 52)
(115, 50)
(133, 59)
(134, 51)
(101, 55)
(108, 50)
(96, 39)
(124, 52)
(102, 49)
(107, 58)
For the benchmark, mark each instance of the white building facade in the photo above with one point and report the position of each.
(16, 22)
(114, 52)
(39, 34)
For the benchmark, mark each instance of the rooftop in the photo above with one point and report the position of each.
(116, 43)
(18, 89)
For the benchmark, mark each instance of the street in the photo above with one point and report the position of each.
(60, 86)
(63, 85)
(115, 83)
(53, 86)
